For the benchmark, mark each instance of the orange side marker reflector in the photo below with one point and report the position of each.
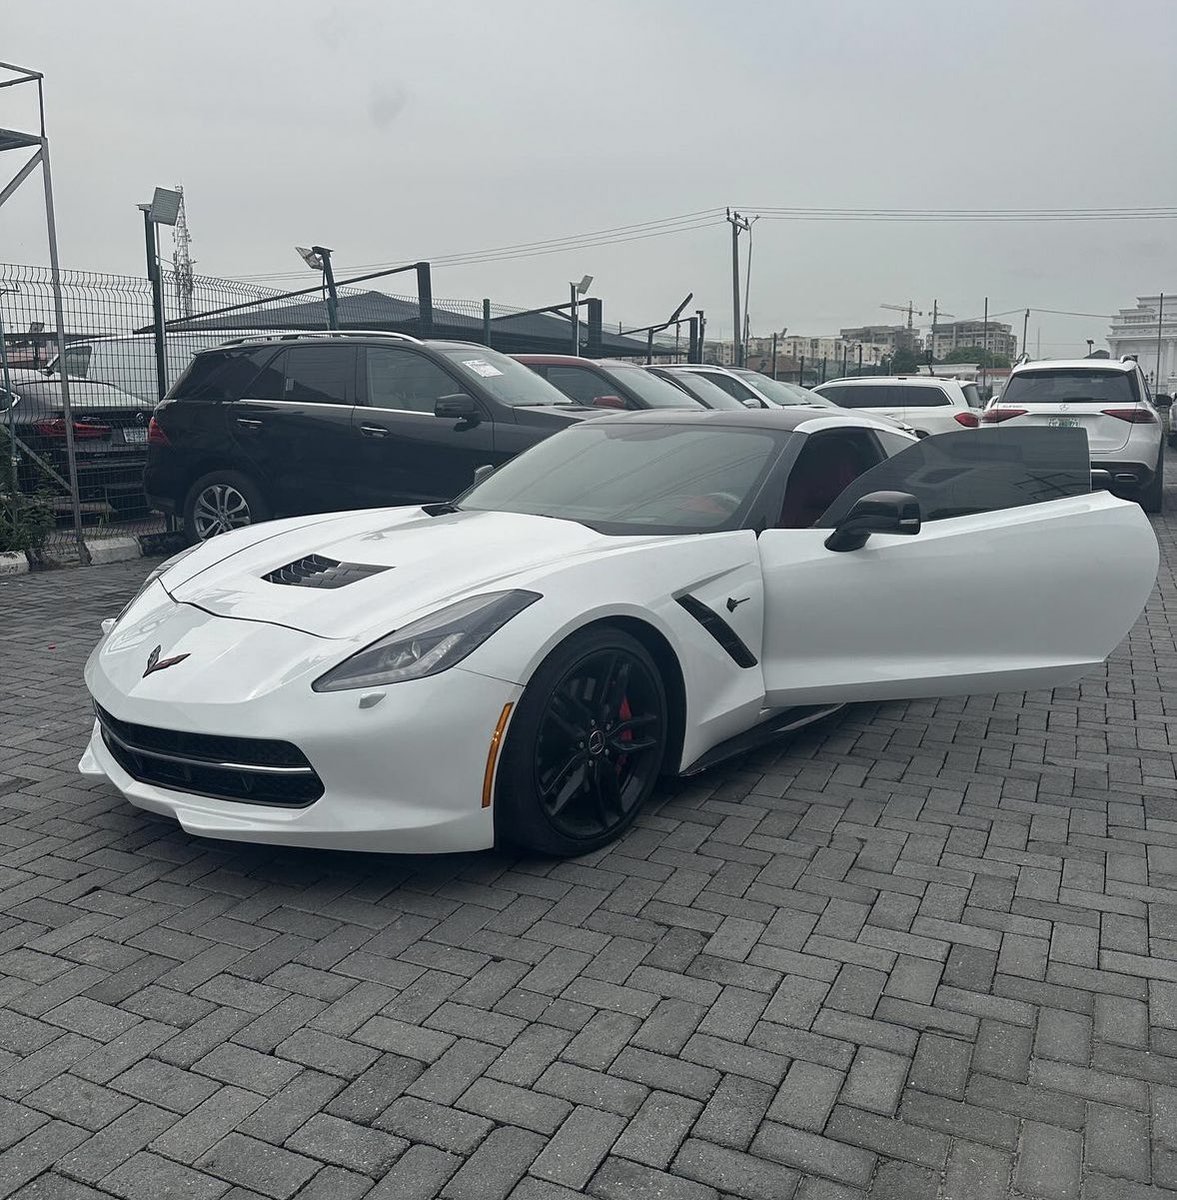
(492, 755)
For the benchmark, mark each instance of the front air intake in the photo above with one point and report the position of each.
(315, 571)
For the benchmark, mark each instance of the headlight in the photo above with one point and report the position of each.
(432, 644)
(163, 567)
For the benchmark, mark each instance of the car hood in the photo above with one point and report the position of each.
(421, 563)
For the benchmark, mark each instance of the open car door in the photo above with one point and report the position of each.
(1020, 577)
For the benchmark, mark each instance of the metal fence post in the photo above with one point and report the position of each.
(593, 346)
(59, 317)
(774, 356)
(824, 361)
(486, 321)
(801, 370)
(424, 300)
(693, 355)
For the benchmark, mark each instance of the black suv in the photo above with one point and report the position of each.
(287, 424)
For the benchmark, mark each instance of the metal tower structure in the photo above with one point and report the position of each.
(182, 258)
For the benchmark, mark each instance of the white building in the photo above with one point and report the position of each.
(834, 349)
(1134, 331)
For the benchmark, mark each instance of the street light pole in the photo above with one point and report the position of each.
(575, 300)
(329, 279)
(154, 277)
(1160, 321)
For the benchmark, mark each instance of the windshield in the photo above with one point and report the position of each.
(635, 477)
(510, 382)
(652, 391)
(703, 390)
(1070, 386)
(773, 389)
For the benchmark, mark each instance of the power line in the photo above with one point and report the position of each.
(685, 223)
(1157, 213)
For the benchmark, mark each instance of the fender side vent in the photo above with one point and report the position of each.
(315, 571)
(720, 630)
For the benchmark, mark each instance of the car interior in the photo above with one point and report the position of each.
(827, 465)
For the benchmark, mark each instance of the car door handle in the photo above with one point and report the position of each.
(249, 422)
(374, 431)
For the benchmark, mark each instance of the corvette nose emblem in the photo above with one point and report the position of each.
(155, 663)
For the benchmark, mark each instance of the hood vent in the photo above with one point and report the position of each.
(315, 571)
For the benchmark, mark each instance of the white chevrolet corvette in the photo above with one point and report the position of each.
(637, 595)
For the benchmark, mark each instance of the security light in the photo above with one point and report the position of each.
(310, 257)
(165, 207)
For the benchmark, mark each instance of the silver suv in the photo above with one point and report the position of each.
(1108, 399)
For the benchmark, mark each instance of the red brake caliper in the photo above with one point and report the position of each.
(624, 713)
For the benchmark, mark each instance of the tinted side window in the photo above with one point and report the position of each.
(733, 387)
(924, 397)
(402, 379)
(226, 375)
(953, 476)
(320, 374)
(854, 395)
(581, 385)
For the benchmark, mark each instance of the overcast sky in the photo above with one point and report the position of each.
(395, 131)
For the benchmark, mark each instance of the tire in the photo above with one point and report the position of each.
(1152, 498)
(221, 501)
(585, 747)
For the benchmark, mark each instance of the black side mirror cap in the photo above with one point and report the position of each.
(876, 512)
(458, 407)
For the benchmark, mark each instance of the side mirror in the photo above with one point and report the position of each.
(1163, 401)
(752, 402)
(458, 407)
(876, 512)
(609, 402)
(483, 472)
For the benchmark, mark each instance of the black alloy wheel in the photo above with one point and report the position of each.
(586, 746)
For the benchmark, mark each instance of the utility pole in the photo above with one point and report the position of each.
(985, 355)
(774, 355)
(932, 336)
(739, 224)
(1160, 321)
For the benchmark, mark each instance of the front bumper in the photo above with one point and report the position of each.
(403, 775)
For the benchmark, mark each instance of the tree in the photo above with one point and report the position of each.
(905, 362)
(976, 354)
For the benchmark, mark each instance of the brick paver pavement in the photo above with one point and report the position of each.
(925, 950)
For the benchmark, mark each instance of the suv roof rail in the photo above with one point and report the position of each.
(319, 333)
(1022, 358)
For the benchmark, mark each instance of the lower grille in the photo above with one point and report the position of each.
(250, 770)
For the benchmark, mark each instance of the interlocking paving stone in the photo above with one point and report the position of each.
(923, 944)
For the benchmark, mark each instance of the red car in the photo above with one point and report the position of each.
(607, 383)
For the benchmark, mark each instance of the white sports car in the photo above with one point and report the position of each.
(640, 594)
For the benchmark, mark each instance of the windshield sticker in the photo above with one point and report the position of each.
(481, 367)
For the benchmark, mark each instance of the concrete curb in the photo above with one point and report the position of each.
(113, 549)
(14, 562)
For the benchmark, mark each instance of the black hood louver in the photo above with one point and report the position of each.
(316, 571)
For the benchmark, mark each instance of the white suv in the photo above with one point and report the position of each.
(1108, 399)
(927, 403)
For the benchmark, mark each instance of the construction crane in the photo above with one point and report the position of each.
(908, 308)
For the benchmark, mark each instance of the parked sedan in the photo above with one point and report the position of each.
(708, 393)
(607, 383)
(640, 594)
(109, 436)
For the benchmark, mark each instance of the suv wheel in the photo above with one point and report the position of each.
(220, 502)
(1152, 498)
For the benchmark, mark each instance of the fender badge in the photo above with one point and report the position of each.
(155, 663)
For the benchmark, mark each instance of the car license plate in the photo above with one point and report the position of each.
(1063, 422)
(134, 436)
